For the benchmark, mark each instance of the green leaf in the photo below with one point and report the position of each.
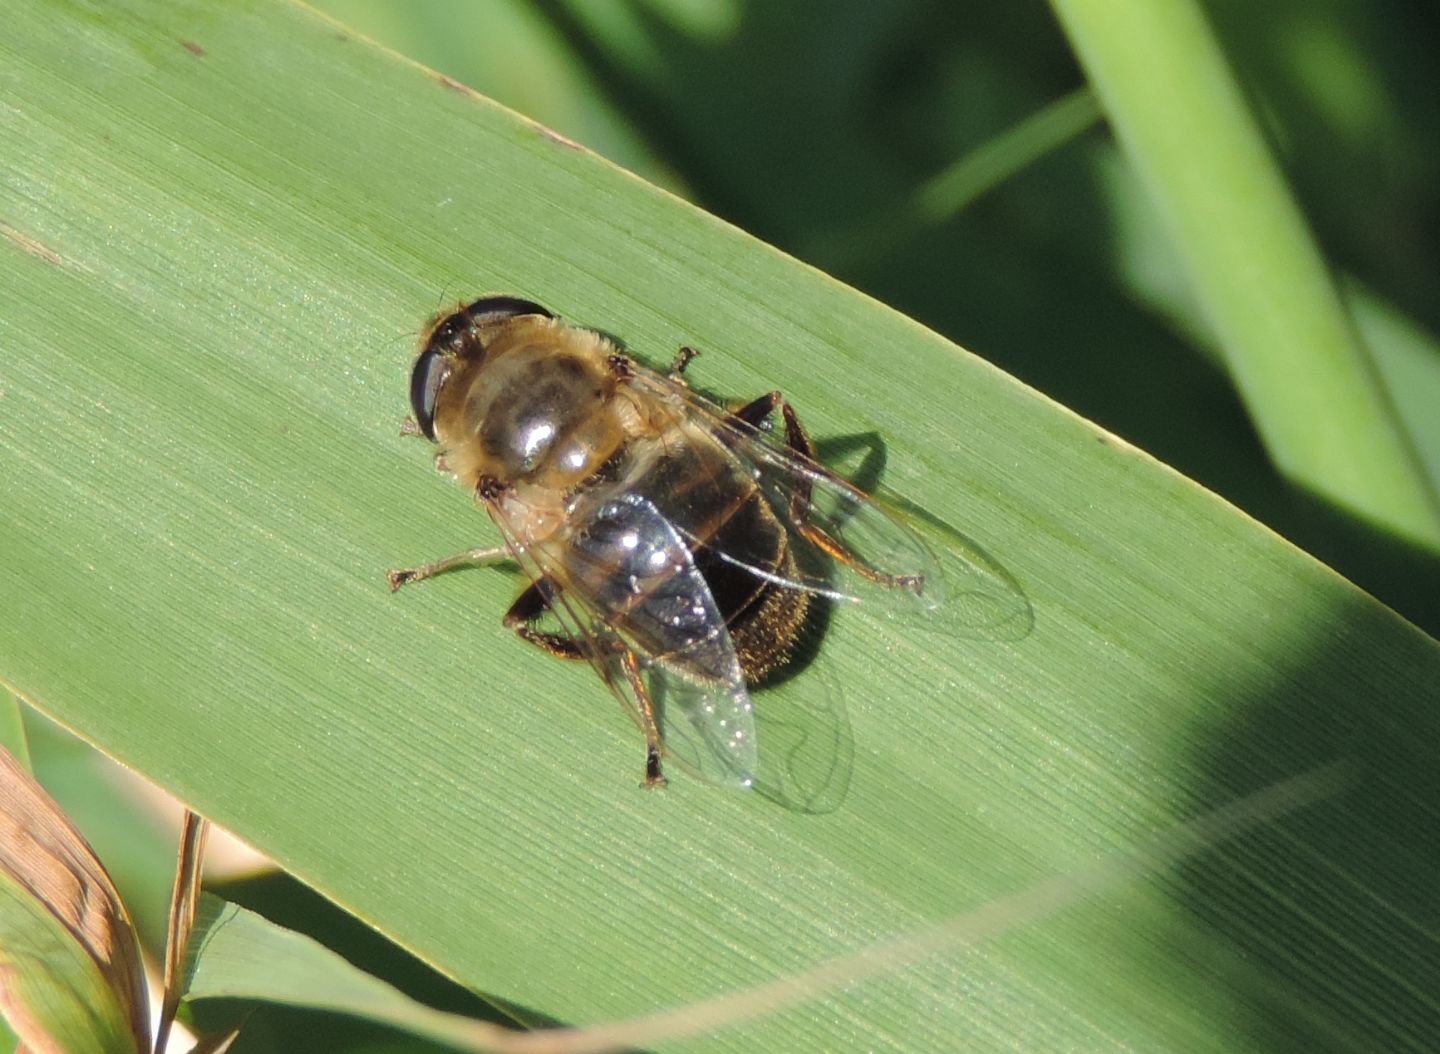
(1311, 387)
(236, 954)
(223, 226)
(12, 729)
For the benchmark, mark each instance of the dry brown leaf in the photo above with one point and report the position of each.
(193, 834)
(42, 853)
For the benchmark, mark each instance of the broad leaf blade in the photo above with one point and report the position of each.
(238, 955)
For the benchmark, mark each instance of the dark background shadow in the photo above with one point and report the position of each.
(809, 119)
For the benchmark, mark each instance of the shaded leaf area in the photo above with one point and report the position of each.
(207, 483)
(286, 903)
(236, 955)
(70, 974)
(1338, 950)
(1062, 275)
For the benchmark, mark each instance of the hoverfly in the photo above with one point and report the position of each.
(680, 546)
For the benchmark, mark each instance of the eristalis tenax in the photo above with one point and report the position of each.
(680, 546)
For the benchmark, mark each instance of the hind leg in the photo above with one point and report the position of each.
(798, 440)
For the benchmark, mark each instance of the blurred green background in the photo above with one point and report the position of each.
(822, 127)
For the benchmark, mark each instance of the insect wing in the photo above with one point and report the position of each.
(634, 600)
(816, 504)
(628, 559)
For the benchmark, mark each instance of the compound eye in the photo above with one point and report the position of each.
(429, 374)
(497, 307)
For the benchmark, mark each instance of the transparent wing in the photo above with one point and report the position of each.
(623, 584)
(882, 561)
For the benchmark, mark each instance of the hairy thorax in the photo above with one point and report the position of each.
(529, 414)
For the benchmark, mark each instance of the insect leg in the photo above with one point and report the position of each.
(684, 357)
(530, 606)
(798, 440)
(399, 576)
(528, 609)
(754, 412)
(653, 776)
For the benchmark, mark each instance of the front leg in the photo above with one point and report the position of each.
(400, 576)
(684, 357)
